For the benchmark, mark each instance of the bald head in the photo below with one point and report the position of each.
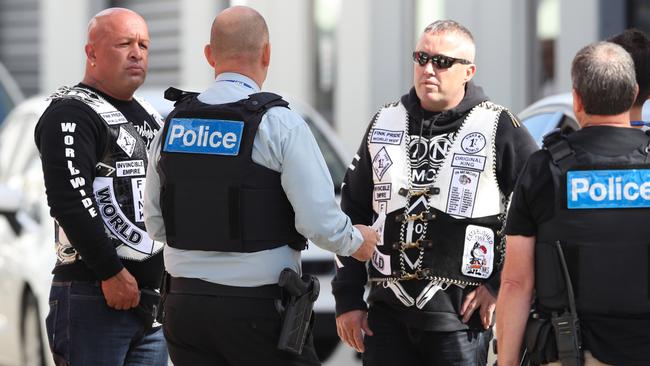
(117, 52)
(238, 32)
(107, 20)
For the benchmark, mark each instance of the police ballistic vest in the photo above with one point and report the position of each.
(454, 222)
(601, 221)
(119, 179)
(213, 196)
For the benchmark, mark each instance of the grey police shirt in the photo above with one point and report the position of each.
(285, 144)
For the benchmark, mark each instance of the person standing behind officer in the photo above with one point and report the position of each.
(585, 193)
(93, 141)
(236, 183)
(434, 169)
(637, 44)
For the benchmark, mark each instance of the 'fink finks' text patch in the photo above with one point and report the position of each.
(203, 136)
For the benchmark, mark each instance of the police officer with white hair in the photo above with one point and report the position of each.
(577, 231)
(237, 185)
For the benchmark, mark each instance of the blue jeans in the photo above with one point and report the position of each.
(83, 330)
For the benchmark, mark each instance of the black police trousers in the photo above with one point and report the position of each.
(227, 330)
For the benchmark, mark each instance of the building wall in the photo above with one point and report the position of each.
(373, 45)
(501, 31)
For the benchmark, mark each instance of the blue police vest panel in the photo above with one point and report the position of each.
(607, 189)
(204, 136)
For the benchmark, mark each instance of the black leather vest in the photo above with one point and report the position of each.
(213, 196)
(607, 248)
(442, 257)
(120, 175)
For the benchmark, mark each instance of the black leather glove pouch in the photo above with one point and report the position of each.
(147, 309)
(540, 340)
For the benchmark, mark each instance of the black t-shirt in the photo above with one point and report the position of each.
(432, 132)
(63, 150)
(617, 341)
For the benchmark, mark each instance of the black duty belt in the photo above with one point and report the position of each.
(195, 286)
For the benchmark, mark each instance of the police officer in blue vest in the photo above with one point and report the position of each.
(577, 231)
(237, 185)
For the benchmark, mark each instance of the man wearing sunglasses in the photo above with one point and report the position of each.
(433, 173)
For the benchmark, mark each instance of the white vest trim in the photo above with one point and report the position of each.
(467, 177)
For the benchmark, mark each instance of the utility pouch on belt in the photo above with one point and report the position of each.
(303, 292)
(567, 326)
(147, 309)
(164, 290)
(539, 340)
(564, 343)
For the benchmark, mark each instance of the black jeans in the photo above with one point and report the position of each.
(232, 331)
(395, 344)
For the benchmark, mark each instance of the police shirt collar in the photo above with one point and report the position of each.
(238, 79)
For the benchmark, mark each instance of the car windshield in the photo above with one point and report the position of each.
(334, 164)
(540, 124)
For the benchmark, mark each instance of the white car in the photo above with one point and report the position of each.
(26, 244)
(10, 94)
(552, 112)
(26, 235)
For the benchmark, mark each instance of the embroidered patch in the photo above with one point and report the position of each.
(130, 168)
(116, 221)
(608, 189)
(114, 117)
(381, 163)
(378, 226)
(382, 192)
(204, 136)
(462, 192)
(137, 185)
(478, 254)
(104, 170)
(473, 142)
(381, 262)
(126, 142)
(469, 161)
(388, 137)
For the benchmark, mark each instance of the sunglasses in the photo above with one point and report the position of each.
(439, 61)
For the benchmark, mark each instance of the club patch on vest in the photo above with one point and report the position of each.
(204, 136)
(380, 136)
(462, 192)
(382, 191)
(608, 189)
(473, 143)
(381, 163)
(116, 221)
(381, 262)
(469, 161)
(130, 168)
(478, 253)
(126, 142)
(114, 117)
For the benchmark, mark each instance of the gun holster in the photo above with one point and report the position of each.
(296, 321)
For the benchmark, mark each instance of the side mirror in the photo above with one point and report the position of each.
(9, 205)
